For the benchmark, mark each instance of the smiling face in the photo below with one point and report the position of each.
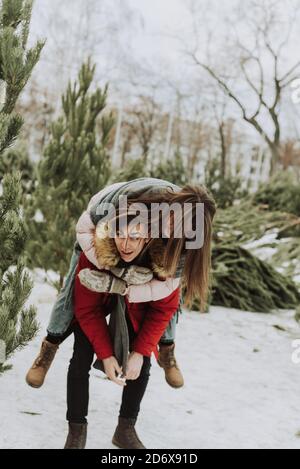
(130, 241)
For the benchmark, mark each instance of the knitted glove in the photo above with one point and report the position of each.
(102, 282)
(133, 275)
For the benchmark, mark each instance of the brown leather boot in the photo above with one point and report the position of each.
(37, 373)
(167, 361)
(76, 438)
(125, 436)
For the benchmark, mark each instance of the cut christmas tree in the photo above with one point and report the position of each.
(242, 278)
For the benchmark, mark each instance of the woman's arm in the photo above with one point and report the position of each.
(85, 232)
(152, 291)
(85, 228)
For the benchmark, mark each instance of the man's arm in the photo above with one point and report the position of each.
(89, 310)
(157, 316)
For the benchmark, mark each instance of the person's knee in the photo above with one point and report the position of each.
(145, 371)
(80, 364)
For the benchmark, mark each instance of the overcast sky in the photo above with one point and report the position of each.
(139, 40)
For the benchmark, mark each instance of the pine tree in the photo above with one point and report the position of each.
(225, 189)
(173, 170)
(281, 192)
(134, 168)
(17, 322)
(75, 165)
(17, 159)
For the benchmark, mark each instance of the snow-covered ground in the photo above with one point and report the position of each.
(267, 246)
(242, 389)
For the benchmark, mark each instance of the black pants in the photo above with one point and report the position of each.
(78, 381)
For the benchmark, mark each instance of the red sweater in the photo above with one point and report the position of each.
(149, 319)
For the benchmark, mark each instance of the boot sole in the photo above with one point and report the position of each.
(173, 386)
(114, 442)
(33, 385)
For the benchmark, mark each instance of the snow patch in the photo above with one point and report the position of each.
(241, 387)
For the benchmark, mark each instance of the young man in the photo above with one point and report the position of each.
(146, 322)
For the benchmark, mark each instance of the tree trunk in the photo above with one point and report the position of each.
(223, 150)
(275, 157)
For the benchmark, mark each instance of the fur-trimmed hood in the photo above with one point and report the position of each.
(108, 255)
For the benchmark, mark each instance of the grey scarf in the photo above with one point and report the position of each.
(119, 333)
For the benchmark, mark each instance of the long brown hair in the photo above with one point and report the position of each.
(197, 265)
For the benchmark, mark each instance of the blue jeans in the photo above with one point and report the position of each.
(62, 311)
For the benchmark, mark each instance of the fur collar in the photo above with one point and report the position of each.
(108, 255)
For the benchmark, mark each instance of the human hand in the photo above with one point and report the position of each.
(134, 365)
(113, 370)
(102, 282)
(133, 275)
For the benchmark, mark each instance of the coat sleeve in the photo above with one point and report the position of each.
(85, 228)
(153, 290)
(85, 232)
(89, 310)
(157, 317)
